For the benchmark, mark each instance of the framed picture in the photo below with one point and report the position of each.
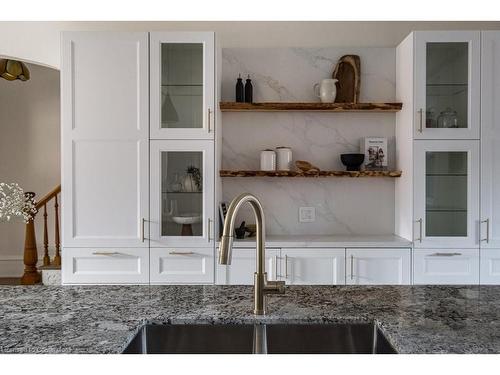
(375, 150)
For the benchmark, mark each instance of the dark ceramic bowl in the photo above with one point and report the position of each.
(352, 161)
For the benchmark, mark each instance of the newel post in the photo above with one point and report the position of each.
(31, 275)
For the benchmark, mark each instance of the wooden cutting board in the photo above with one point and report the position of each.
(348, 72)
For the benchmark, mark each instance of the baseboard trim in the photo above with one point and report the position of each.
(11, 266)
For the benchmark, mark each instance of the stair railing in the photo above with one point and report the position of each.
(31, 274)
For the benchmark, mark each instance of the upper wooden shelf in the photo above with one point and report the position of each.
(247, 173)
(311, 107)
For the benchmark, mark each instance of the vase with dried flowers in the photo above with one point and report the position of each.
(14, 202)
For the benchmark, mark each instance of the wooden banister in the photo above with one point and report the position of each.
(31, 274)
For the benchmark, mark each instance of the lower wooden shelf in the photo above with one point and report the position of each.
(249, 173)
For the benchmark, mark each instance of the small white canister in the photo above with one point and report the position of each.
(284, 158)
(267, 160)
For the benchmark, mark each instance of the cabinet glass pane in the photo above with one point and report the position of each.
(181, 85)
(182, 193)
(447, 68)
(446, 194)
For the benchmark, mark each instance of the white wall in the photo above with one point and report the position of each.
(29, 151)
(39, 41)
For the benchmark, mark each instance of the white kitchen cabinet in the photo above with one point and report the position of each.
(182, 84)
(378, 266)
(182, 193)
(446, 194)
(105, 266)
(313, 266)
(446, 81)
(489, 267)
(446, 266)
(182, 265)
(104, 98)
(490, 141)
(243, 266)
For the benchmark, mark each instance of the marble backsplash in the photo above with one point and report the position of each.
(343, 205)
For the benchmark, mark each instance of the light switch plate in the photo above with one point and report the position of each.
(307, 214)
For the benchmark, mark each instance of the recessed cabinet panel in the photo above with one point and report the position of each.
(490, 267)
(378, 266)
(446, 266)
(105, 266)
(182, 183)
(446, 193)
(104, 131)
(447, 85)
(490, 140)
(313, 266)
(243, 266)
(182, 85)
(182, 266)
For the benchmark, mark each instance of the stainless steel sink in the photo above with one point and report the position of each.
(341, 338)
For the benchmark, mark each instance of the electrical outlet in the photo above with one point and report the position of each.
(307, 214)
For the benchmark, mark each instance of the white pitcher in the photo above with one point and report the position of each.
(327, 90)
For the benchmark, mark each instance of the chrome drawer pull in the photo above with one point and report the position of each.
(106, 253)
(445, 254)
(181, 253)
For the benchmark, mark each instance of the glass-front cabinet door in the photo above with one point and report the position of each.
(446, 194)
(182, 85)
(447, 85)
(182, 193)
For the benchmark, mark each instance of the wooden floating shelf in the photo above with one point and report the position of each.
(311, 107)
(228, 173)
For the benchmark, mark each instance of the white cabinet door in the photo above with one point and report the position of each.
(378, 266)
(447, 84)
(313, 266)
(446, 194)
(445, 266)
(243, 265)
(182, 193)
(104, 97)
(105, 266)
(182, 85)
(182, 266)
(490, 267)
(490, 140)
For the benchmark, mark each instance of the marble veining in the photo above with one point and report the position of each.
(103, 319)
(342, 206)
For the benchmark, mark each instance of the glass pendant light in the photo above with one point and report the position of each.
(14, 69)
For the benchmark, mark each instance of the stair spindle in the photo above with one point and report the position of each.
(57, 257)
(46, 258)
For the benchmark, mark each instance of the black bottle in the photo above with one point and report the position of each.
(248, 90)
(239, 90)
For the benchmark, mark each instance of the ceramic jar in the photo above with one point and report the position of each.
(327, 90)
(283, 158)
(267, 160)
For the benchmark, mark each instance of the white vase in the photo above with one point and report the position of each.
(327, 90)
(189, 183)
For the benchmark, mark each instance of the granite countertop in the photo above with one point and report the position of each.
(102, 319)
(305, 241)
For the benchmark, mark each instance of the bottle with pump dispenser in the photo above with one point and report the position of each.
(239, 90)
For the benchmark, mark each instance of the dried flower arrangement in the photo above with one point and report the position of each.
(14, 202)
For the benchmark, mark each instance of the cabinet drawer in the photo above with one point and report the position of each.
(446, 266)
(105, 266)
(490, 267)
(182, 266)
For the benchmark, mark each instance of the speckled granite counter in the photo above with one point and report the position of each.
(102, 319)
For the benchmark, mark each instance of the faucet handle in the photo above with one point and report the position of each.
(274, 287)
